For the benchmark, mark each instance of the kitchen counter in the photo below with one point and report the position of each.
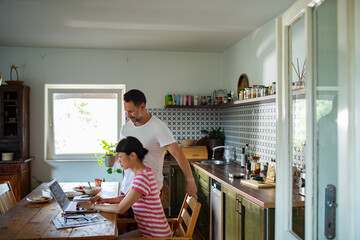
(264, 197)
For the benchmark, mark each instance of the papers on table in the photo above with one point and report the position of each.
(78, 220)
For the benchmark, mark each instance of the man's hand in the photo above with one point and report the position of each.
(191, 188)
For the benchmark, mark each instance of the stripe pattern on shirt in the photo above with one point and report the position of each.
(148, 210)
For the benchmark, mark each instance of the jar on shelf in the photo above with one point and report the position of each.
(261, 91)
(273, 86)
(254, 91)
(241, 94)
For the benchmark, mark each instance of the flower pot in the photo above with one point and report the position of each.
(109, 160)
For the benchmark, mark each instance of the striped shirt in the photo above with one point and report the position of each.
(148, 210)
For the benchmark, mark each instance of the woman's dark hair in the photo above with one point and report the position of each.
(136, 96)
(132, 144)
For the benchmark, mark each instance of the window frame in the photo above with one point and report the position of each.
(50, 89)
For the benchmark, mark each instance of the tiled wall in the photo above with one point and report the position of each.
(187, 123)
(253, 124)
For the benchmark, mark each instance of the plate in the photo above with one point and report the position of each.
(79, 189)
(39, 199)
(72, 194)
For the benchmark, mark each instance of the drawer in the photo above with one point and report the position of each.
(10, 168)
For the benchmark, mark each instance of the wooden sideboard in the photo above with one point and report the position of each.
(19, 175)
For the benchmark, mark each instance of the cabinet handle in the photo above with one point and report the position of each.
(237, 206)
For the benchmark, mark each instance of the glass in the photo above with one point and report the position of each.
(80, 119)
(297, 51)
(326, 119)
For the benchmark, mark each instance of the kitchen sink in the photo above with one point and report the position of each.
(211, 162)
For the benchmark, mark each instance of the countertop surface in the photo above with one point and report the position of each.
(263, 197)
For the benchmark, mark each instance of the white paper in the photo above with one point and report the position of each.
(78, 220)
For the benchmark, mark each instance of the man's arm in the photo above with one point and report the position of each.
(178, 154)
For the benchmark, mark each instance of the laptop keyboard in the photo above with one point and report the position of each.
(72, 207)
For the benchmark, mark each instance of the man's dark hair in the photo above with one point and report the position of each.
(136, 96)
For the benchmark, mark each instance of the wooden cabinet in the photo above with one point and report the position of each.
(231, 222)
(15, 137)
(203, 185)
(243, 219)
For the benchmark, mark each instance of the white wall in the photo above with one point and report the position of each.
(155, 73)
(255, 55)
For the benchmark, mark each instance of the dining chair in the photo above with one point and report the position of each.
(7, 198)
(183, 226)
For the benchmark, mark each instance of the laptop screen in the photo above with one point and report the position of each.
(59, 194)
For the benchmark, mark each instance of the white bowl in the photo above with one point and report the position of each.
(7, 156)
(92, 190)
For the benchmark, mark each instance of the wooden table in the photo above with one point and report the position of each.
(34, 220)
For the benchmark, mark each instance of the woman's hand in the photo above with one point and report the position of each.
(97, 199)
(86, 205)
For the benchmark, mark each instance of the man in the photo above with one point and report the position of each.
(155, 136)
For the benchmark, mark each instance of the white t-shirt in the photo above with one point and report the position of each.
(154, 136)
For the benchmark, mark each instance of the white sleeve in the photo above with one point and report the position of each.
(164, 135)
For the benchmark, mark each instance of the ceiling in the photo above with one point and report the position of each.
(162, 25)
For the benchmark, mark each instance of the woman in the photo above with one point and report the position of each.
(142, 196)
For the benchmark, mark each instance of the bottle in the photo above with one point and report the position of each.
(243, 158)
(247, 157)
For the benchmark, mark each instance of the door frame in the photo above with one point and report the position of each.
(349, 112)
(284, 167)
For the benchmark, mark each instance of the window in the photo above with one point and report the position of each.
(78, 117)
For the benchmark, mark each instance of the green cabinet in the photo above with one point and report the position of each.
(203, 185)
(231, 217)
(243, 219)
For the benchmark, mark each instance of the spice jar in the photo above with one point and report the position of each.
(261, 91)
(254, 91)
(241, 94)
(273, 86)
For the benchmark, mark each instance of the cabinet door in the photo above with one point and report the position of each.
(231, 217)
(203, 222)
(178, 189)
(253, 220)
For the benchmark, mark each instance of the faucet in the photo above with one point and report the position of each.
(227, 154)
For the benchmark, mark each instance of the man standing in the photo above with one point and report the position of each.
(155, 136)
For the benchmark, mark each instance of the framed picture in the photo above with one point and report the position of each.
(270, 176)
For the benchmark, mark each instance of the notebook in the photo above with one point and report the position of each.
(68, 207)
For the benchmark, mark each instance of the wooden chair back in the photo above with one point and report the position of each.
(186, 221)
(182, 227)
(7, 198)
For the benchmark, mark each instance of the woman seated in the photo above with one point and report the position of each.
(143, 195)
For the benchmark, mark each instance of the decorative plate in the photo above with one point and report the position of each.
(79, 189)
(72, 194)
(39, 199)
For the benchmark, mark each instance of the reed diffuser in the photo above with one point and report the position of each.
(300, 83)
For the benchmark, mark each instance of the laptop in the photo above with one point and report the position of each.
(67, 206)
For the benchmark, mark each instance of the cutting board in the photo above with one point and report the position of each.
(255, 184)
(195, 152)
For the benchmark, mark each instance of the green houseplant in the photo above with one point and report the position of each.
(109, 157)
(214, 137)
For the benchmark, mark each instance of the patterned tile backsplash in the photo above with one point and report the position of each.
(187, 123)
(252, 124)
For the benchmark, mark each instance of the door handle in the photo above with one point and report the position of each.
(330, 211)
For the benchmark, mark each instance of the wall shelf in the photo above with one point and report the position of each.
(297, 94)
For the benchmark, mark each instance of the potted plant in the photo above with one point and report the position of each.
(108, 157)
(214, 137)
